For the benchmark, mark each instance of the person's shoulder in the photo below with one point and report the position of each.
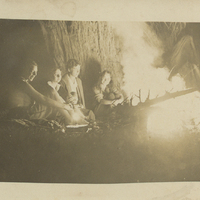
(65, 77)
(49, 91)
(78, 80)
(44, 88)
(62, 83)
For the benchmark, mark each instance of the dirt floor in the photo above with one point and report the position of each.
(119, 156)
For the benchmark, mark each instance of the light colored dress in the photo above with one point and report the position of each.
(68, 88)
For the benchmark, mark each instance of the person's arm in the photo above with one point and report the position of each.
(106, 102)
(119, 100)
(80, 87)
(42, 99)
(99, 98)
(58, 97)
(61, 100)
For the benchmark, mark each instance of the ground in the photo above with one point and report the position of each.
(123, 155)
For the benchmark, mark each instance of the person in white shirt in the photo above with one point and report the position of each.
(72, 89)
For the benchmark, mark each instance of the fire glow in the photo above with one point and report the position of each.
(176, 115)
(141, 50)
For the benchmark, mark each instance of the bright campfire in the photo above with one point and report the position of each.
(143, 81)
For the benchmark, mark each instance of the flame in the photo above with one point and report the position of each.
(141, 50)
(176, 115)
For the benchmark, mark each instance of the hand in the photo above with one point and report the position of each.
(76, 106)
(120, 100)
(68, 107)
(73, 99)
(81, 106)
(116, 102)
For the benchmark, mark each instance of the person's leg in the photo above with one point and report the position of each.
(88, 114)
(102, 112)
(77, 116)
(68, 119)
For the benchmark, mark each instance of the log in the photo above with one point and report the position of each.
(167, 96)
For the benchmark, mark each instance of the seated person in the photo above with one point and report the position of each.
(106, 97)
(50, 89)
(72, 90)
(23, 97)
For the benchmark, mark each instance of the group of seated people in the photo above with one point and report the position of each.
(59, 98)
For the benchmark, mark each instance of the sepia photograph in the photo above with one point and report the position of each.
(99, 101)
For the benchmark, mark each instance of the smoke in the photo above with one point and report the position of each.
(141, 56)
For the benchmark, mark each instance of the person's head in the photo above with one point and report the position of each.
(55, 75)
(73, 68)
(105, 77)
(28, 70)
